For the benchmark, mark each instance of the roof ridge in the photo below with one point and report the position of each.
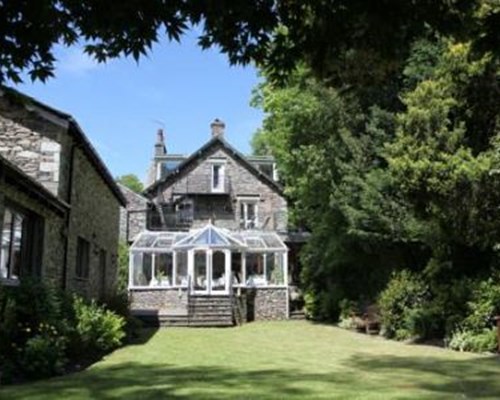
(196, 154)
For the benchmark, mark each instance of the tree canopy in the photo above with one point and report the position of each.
(131, 181)
(275, 34)
(411, 183)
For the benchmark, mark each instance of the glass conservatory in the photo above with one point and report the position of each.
(208, 260)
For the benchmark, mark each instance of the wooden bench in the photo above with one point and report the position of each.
(369, 321)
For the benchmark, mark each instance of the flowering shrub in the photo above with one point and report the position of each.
(40, 327)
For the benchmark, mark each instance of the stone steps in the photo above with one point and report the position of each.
(207, 311)
(297, 315)
(202, 311)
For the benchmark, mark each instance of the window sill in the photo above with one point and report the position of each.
(156, 287)
(81, 279)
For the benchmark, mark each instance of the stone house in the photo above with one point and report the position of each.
(215, 245)
(59, 205)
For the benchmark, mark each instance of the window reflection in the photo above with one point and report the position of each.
(12, 239)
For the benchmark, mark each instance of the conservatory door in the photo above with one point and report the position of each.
(210, 271)
(200, 271)
(219, 272)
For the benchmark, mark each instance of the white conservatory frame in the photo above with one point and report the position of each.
(209, 262)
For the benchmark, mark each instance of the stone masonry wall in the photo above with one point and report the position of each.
(53, 241)
(39, 146)
(163, 300)
(95, 218)
(36, 155)
(267, 304)
(132, 218)
(271, 205)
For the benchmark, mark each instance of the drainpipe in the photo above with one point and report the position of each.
(68, 214)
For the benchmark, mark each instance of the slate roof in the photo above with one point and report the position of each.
(200, 153)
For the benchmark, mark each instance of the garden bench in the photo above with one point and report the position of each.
(369, 321)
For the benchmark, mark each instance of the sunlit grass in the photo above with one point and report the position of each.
(273, 360)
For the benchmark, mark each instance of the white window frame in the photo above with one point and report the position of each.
(220, 187)
(244, 220)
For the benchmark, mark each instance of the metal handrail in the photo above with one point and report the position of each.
(201, 183)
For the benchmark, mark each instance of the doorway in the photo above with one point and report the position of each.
(210, 271)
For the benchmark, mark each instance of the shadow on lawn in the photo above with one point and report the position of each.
(143, 336)
(363, 375)
(145, 382)
(476, 378)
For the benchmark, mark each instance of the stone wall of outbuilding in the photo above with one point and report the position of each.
(40, 143)
(37, 155)
(132, 218)
(95, 218)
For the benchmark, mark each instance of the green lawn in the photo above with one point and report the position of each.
(273, 360)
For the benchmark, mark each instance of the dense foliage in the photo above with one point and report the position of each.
(407, 181)
(370, 39)
(44, 331)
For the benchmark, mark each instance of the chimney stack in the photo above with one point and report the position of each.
(217, 128)
(160, 149)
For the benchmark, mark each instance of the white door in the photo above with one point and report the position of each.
(211, 270)
(200, 271)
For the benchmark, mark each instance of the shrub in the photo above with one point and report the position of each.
(476, 332)
(44, 354)
(323, 305)
(123, 255)
(310, 304)
(466, 340)
(423, 322)
(119, 304)
(98, 330)
(483, 306)
(348, 308)
(402, 305)
(33, 331)
(347, 323)
(42, 328)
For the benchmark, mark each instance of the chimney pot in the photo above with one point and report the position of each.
(160, 148)
(159, 136)
(217, 128)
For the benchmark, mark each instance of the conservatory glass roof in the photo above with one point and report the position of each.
(208, 236)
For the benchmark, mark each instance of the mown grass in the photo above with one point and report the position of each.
(273, 360)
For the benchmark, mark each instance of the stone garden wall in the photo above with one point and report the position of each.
(163, 300)
(266, 304)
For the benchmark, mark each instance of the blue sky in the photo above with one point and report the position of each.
(120, 105)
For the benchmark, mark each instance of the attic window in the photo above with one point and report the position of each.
(217, 177)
